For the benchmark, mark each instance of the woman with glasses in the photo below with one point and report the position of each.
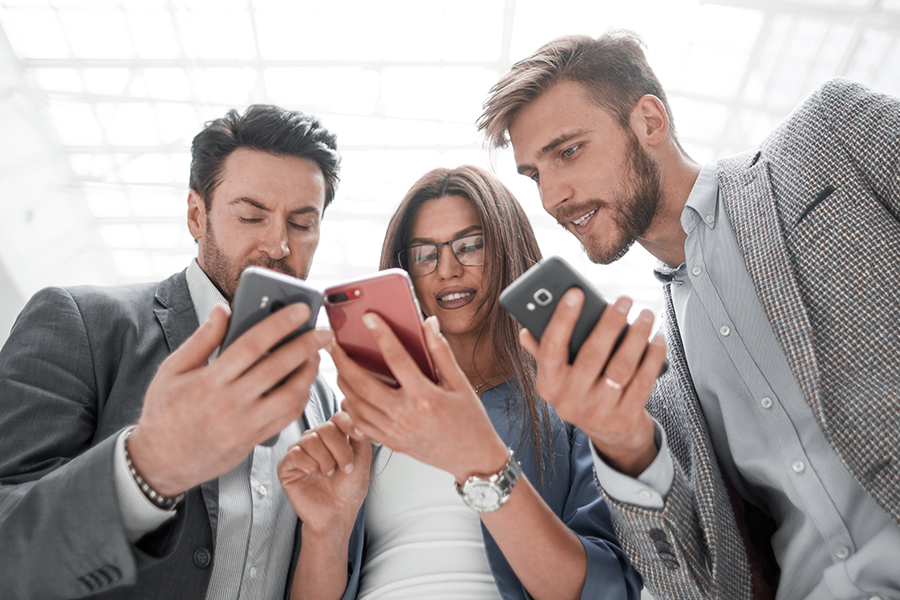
(479, 490)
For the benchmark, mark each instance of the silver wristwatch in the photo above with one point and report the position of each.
(486, 495)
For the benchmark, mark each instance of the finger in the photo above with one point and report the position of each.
(596, 350)
(296, 464)
(366, 417)
(529, 342)
(196, 350)
(443, 357)
(259, 339)
(553, 354)
(645, 378)
(624, 361)
(354, 377)
(397, 358)
(315, 446)
(337, 444)
(271, 370)
(362, 454)
(344, 422)
(273, 412)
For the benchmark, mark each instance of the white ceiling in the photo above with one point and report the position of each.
(99, 100)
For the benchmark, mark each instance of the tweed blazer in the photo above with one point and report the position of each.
(72, 375)
(815, 213)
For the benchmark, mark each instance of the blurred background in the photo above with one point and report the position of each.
(99, 100)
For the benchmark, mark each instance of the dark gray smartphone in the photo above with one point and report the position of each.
(260, 293)
(532, 298)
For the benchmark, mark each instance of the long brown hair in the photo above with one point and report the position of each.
(510, 249)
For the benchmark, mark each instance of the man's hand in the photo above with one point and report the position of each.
(326, 475)
(200, 421)
(601, 395)
(443, 425)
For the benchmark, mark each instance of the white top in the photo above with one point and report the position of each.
(422, 541)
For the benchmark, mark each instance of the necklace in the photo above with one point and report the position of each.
(484, 383)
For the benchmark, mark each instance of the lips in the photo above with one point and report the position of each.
(584, 219)
(456, 297)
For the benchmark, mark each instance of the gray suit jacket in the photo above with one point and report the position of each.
(816, 213)
(72, 375)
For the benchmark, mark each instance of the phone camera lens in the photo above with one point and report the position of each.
(339, 297)
(543, 297)
(277, 305)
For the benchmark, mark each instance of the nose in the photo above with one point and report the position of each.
(554, 191)
(448, 266)
(275, 243)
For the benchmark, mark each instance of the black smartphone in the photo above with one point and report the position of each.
(260, 293)
(532, 298)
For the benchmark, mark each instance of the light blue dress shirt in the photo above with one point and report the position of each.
(833, 541)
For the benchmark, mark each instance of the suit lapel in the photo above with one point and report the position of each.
(747, 192)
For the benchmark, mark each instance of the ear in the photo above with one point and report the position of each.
(650, 121)
(196, 216)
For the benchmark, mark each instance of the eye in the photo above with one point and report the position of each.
(535, 177)
(250, 220)
(300, 226)
(570, 151)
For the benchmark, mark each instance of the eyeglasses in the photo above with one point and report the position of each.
(423, 259)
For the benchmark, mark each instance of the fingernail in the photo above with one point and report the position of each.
(368, 321)
(433, 323)
(646, 316)
(358, 432)
(349, 468)
(623, 304)
(329, 473)
(571, 298)
(325, 337)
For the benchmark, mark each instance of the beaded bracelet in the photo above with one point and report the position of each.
(158, 500)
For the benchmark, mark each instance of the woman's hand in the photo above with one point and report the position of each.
(326, 475)
(443, 425)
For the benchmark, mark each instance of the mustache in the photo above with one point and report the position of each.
(565, 214)
(281, 266)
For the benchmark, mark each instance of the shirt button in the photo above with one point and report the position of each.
(725, 330)
(253, 572)
(710, 218)
(843, 552)
(766, 402)
(262, 491)
(696, 270)
(799, 467)
(645, 494)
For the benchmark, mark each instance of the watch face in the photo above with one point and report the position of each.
(483, 495)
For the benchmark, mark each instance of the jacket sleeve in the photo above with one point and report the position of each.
(691, 548)
(59, 521)
(609, 572)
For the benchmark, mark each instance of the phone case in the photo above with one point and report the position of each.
(389, 294)
(532, 298)
(260, 293)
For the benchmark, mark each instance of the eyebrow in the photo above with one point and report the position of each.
(552, 145)
(458, 234)
(259, 205)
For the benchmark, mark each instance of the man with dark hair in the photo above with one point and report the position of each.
(766, 460)
(129, 463)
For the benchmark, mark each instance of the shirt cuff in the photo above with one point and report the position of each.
(139, 515)
(650, 488)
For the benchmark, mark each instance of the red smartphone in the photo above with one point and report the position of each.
(389, 294)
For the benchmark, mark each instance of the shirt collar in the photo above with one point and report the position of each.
(204, 294)
(702, 203)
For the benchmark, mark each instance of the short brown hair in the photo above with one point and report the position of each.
(612, 69)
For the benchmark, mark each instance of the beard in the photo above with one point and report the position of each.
(632, 209)
(224, 273)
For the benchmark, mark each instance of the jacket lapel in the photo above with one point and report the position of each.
(747, 192)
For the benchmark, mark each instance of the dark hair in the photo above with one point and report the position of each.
(510, 249)
(266, 128)
(612, 69)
